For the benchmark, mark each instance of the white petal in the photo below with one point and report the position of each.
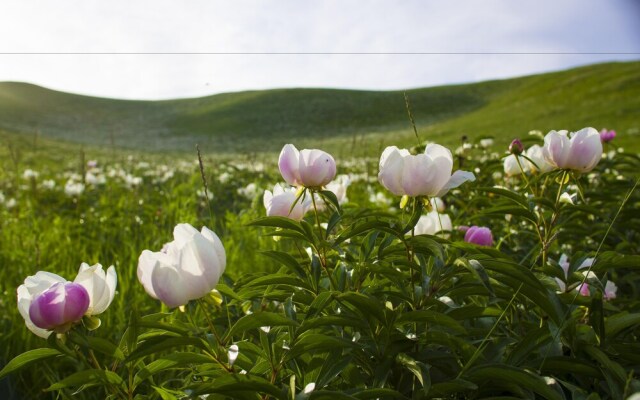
(183, 233)
(146, 263)
(217, 246)
(419, 176)
(169, 286)
(457, 179)
(391, 166)
(288, 163)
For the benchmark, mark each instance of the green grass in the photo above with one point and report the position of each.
(345, 121)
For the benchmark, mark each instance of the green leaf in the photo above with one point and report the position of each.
(237, 386)
(330, 197)
(606, 363)
(256, 320)
(28, 358)
(319, 303)
(164, 343)
(416, 213)
(279, 279)
(315, 343)
(227, 291)
(364, 304)
(518, 277)
(432, 317)
(419, 370)
(98, 344)
(508, 194)
(367, 226)
(329, 395)
(617, 323)
(380, 393)
(278, 222)
(287, 260)
(479, 271)
(169, 361)
(164, 393)
(455, 386)
(596, 316)
(504, 373)
(425, 244)
(570, 365)
(334, 220)
(533, 341)
(518, 211)
(87, 378)
(330, 320)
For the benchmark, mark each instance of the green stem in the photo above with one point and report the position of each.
(321, 254)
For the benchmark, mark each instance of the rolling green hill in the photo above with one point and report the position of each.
(602, 95)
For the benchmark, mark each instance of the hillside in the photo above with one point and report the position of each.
(603, 95)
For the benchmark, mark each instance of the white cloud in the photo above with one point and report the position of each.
(296, 26)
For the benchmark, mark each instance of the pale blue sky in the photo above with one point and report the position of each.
(294, 26)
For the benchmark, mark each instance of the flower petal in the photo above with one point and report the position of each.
(457, 179)
(288, 163)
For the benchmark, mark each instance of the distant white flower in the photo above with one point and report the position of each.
(224, 177)
(432, 223)
(30, 174)
(93, 179)
(73, 189)
(250, 191)
(339, 187)
(279, 203)
(11, 203)
(487, 142)
(132, 181)
(511, 166)
(48, 184)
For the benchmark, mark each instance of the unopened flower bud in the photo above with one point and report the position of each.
(516, 147)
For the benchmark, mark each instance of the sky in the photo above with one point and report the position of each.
(137, 49)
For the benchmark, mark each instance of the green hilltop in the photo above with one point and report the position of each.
(601, 95)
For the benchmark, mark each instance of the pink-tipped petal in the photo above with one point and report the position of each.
(288, 163)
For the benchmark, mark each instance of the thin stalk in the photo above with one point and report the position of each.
(413, 122)
(524, 175)
(211, 326)
(322, 257)
(554, 217)
(204, 182)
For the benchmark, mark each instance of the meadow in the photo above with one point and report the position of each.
(521, 281)
(356, 301)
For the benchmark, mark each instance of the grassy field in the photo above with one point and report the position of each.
(140, 177)
(347, 121)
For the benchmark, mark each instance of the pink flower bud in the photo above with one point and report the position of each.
(479, 235)
(607, 136)
(59, 306)
(516, 147)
